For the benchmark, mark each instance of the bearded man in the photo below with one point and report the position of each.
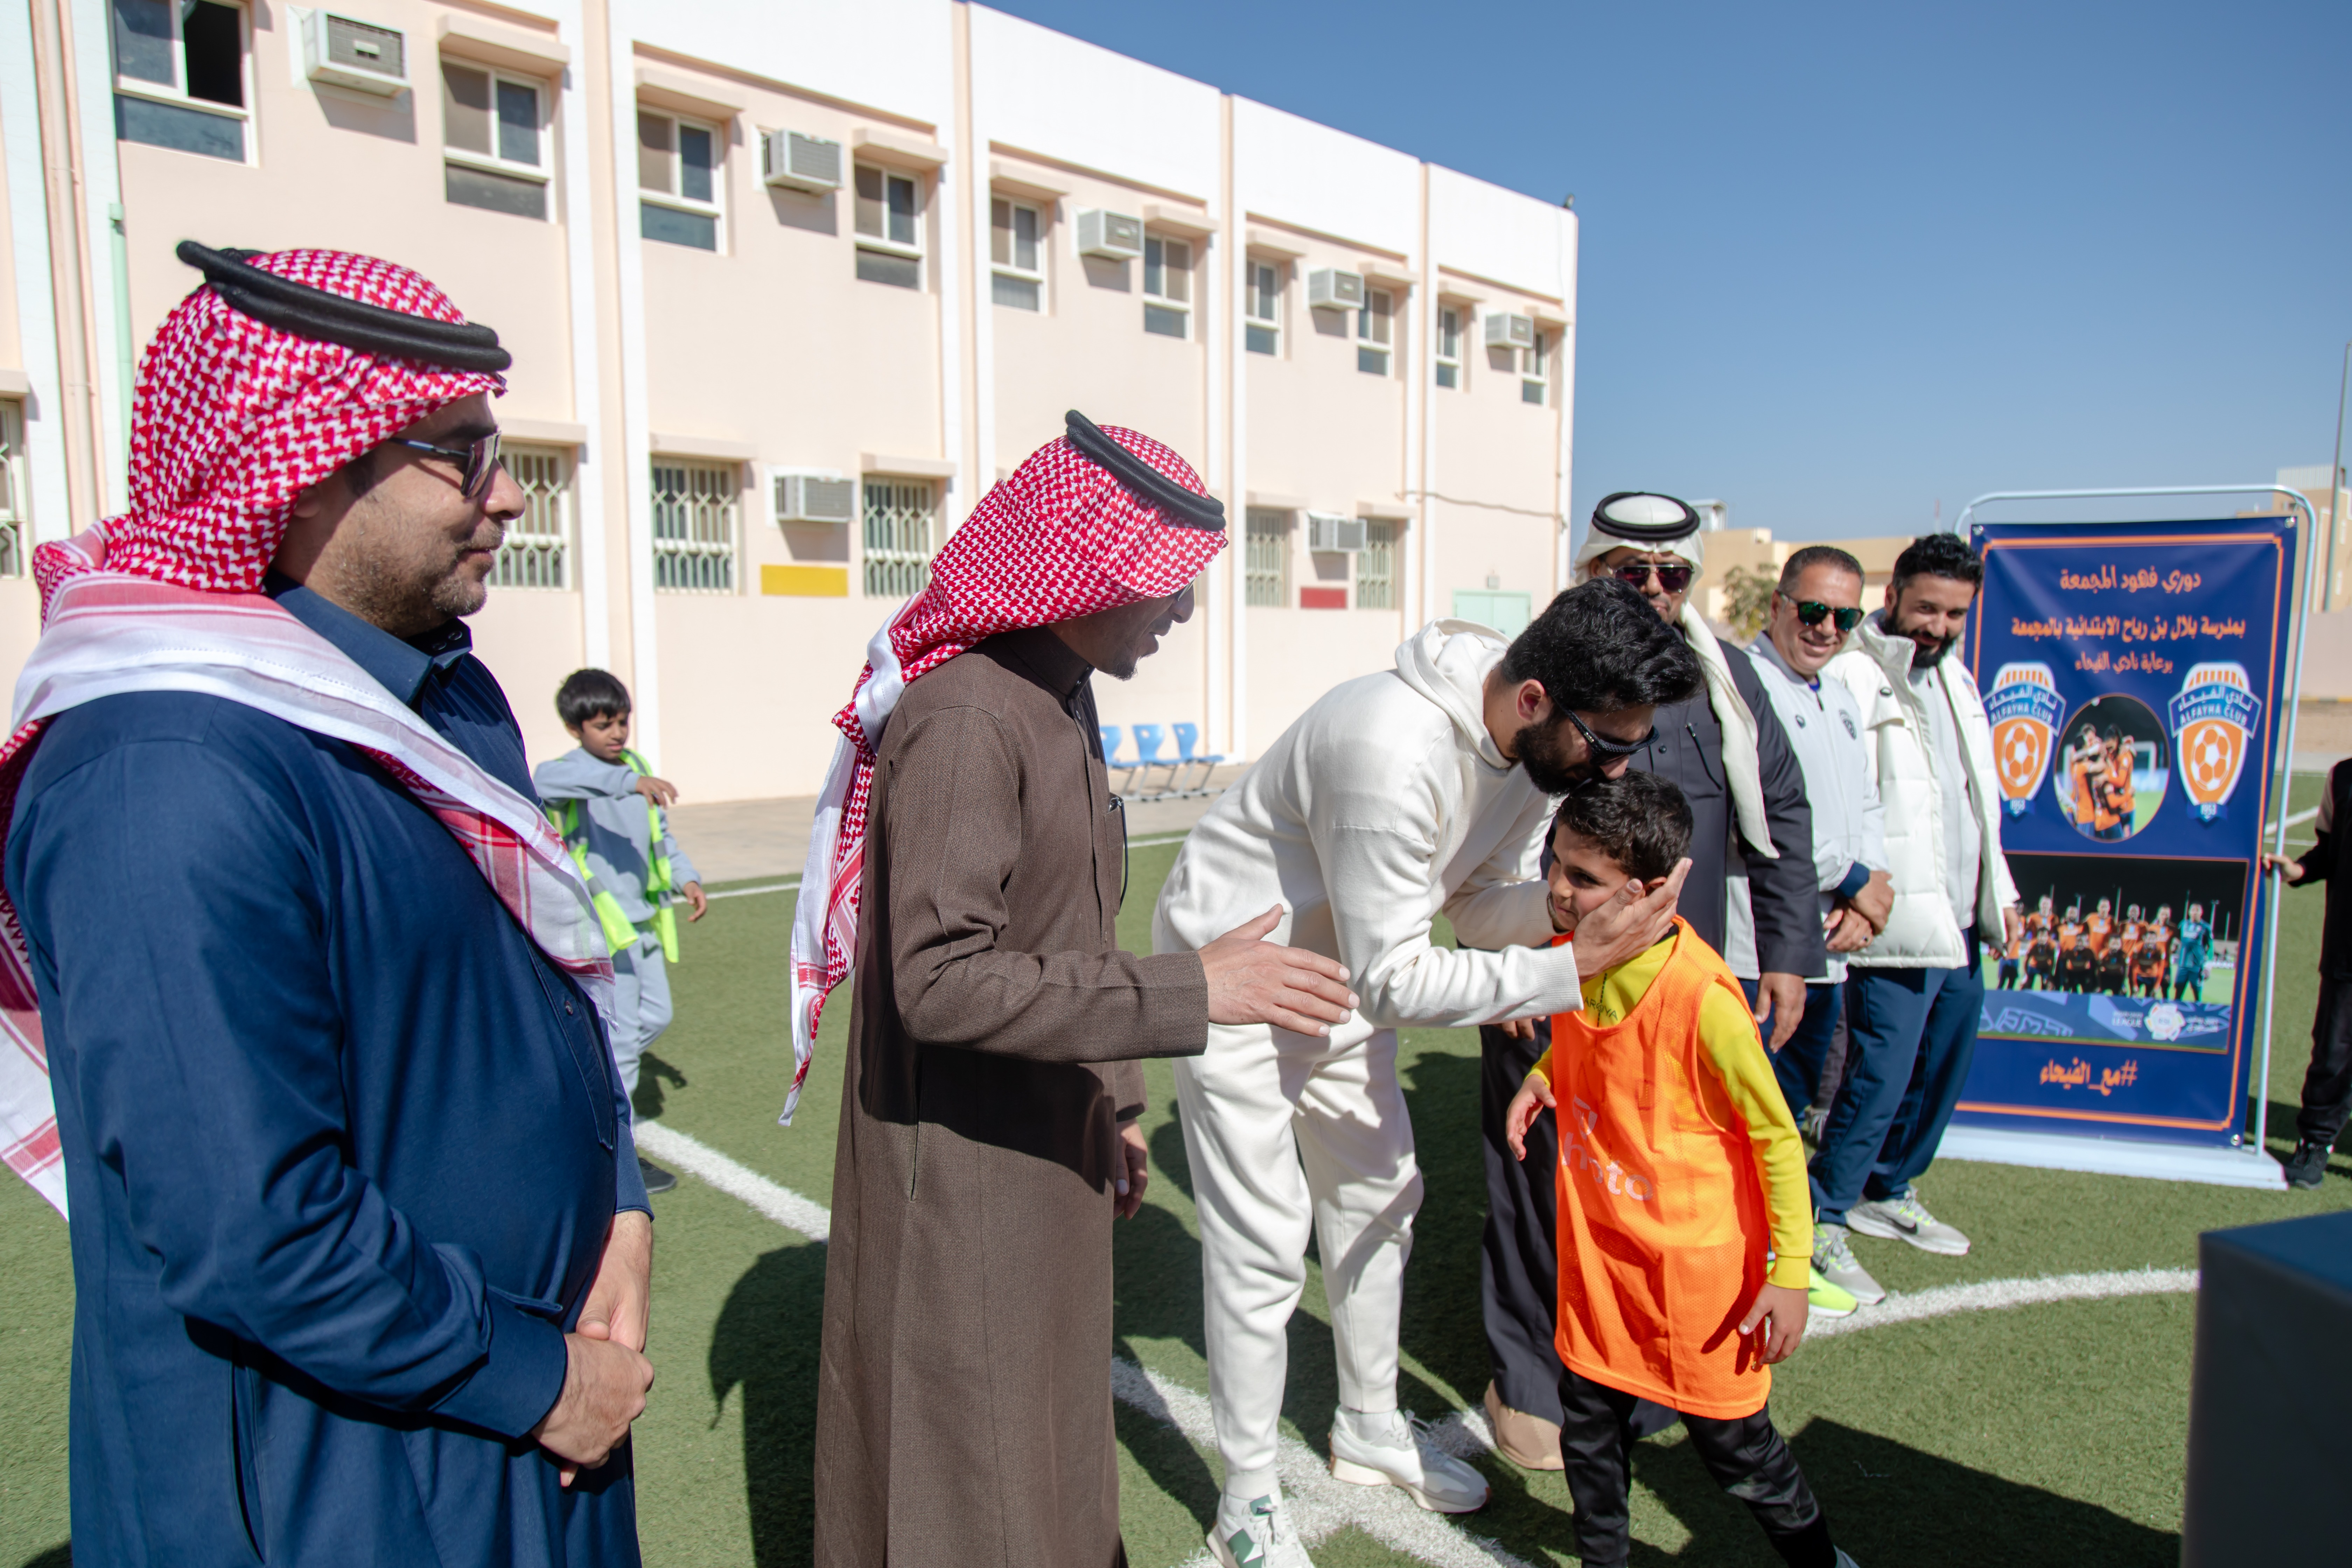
(970, 854)
(360, 1246)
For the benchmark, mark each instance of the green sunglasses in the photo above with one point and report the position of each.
(1813, 613)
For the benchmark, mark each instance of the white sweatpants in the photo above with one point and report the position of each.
(1284, 1131)
(640, 1008)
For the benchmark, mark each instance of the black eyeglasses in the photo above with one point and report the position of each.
(1604, 748)
(478, 462)
(1813, 613)
(1673, 579)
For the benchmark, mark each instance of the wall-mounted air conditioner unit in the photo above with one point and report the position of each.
(1330, 289)
(800, 162)
(816, 497)
(1108, 234)
(347, 52)
(1329, 531)
(1505, 331)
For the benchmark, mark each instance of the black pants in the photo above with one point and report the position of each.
(2327, 1087)
(1746, 1456)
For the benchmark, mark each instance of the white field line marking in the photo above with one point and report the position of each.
(791, 887)
(783, 1205)
(2299, 817)
(1994, 1294)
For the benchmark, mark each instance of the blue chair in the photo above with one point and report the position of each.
(1188, 737)
(1149, 739)
(1111, 764)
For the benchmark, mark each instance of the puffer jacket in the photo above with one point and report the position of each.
(1920, 931)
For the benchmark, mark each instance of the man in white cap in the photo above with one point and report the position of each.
(1726, 748)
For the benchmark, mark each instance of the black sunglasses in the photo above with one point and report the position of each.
(478, 461)
(1673, 579)
(1813, 613)
(1604, 748)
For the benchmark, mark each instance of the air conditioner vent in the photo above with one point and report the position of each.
(816, 497)
(800, 162)
(1505, 331)
(1108, 234)
(346, 52)
(1330, 531)
(1331, 288)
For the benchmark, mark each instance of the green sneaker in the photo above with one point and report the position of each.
(1827, 1301)
(1834, 1257)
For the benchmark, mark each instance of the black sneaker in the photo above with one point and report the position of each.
(660, 1181)
(2306, 1164)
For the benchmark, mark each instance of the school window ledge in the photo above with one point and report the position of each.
(1167, 287)
(890, 222)
(493, 145)
(180, 76)
(679, 180)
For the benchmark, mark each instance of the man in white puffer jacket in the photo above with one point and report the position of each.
(1914, 994)
(1396, 796)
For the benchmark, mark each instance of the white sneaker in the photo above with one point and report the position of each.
(1906, 1219)
(1845, 1561)
(1387, 1450)
(1834, 1260)
(1255, 1534)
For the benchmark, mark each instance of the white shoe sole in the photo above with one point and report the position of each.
(1869, 1296)
(1822, 1310)
(1365, 1476)
(1870, 1225)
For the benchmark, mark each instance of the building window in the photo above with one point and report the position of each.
(1262, 307)
(1019, 278)
(179, 76)
(538, 549)
(490, 140)
(696, 508)
(679, 180)
(1167, 287)
(901, 533)
(1449, 347)
(1375, 329)
(1266, 567)
(13, 519)
(889, 227)
(1375, 566)
(1535, 373)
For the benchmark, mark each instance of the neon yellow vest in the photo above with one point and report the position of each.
(619, 932)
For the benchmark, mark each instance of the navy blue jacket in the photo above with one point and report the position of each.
(341, 1146)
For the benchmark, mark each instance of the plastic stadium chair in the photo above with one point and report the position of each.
(1188, 737)
(1149, 739)
(1111, 764)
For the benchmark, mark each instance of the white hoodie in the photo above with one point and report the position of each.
(1384, 804)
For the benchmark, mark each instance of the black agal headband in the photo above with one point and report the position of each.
(1185, 508)
(324, 316)
(1644, 518)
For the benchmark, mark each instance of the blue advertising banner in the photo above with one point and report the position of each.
(2131, 673)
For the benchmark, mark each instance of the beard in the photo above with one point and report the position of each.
(1928, 653)
(1545, 757)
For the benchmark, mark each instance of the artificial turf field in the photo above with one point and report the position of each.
(2047, 1434)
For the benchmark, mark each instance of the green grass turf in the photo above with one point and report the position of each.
(2043, 1434)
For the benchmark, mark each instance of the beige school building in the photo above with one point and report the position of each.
(788, 287)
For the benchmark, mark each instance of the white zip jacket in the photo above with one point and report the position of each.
(1825, 730)
(1384, 804)
(1920, 931)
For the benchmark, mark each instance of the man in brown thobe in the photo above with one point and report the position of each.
(990, 1096)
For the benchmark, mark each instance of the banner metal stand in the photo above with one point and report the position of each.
(2284, 762)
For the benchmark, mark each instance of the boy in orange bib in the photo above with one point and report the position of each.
(1685, 1234)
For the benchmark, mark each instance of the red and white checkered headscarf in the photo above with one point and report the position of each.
(1060, 539)
(232, 419)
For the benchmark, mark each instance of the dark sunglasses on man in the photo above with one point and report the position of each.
(1604, 750)
(1813, 613)
(1673, 579)
(477, 462)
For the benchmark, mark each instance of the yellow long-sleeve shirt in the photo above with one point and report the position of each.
(1743, 1075)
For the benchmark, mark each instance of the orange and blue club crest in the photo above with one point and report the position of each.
(2213, 720)
(2022, 703)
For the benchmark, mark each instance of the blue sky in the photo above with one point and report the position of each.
(1842, 262)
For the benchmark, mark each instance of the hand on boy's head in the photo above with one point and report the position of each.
(1535, 1098)
(1782, 1310)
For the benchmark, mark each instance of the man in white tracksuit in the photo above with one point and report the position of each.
(1396, 796)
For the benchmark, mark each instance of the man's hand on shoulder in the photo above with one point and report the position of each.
(1252, 981)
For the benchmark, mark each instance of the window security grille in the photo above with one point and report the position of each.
(1375, 566)
(538, 548)
(901, 533)
(1266, 567)
(12, 490)
(696, 508)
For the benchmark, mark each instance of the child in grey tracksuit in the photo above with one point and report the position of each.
(609, 810)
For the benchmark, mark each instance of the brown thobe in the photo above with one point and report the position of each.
(963, 1403)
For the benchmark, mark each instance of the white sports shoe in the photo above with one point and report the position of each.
(1387, 1450)
(1834, 1260)
(1906, 1219)
(1255, 1534)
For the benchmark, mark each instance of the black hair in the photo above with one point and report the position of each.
(1599, 648)
(1639, 820)
(1937, 555)
(1813, 555)
(588, 694)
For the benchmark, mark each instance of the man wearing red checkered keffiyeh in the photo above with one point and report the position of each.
(967, 863)
(301, 993)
